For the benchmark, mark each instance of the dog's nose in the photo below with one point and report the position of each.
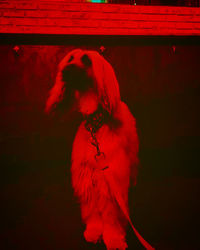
(86, 60)
(77, 77)
(72, 71)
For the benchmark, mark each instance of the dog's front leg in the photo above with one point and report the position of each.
(93, 221)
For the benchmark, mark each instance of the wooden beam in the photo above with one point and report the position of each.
(61, 17)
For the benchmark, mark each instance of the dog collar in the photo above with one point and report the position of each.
(95, 121)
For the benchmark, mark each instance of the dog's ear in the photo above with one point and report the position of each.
(57, 97)
(56, 94)
(107, 84)
(111, 86)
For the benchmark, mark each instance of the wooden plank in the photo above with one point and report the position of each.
(94, 31)
(59, 17)
(60, 22)
(100, 16)
(91, 7)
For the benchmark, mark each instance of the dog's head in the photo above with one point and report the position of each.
(86, 80)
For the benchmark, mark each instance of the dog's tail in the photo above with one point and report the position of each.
(121, 203)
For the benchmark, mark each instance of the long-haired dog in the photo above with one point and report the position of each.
(105, 148)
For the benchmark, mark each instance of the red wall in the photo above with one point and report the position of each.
(63, 17)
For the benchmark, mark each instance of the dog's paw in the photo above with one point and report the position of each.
(114, 241)
(120, 245)
(93, 234)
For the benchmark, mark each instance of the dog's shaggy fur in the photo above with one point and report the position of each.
(105, 148)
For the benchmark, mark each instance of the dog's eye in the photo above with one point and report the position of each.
(70, 59)
(86, 60)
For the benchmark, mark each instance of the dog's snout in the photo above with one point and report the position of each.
(86, 60)
(76, 77)
(71, 72)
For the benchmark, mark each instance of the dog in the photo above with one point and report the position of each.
(105, 148)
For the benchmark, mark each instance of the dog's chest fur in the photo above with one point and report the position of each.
(119, 146)
(87, 169)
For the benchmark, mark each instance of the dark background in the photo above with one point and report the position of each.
(161, 85)
(188, 3)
